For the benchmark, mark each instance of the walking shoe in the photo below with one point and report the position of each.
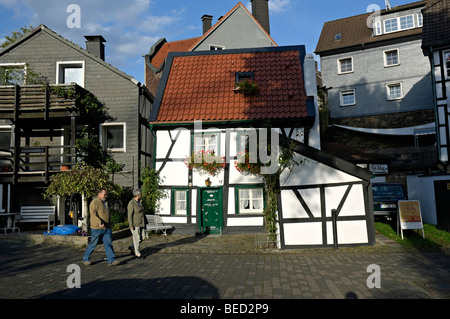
(86, 263)
(114, 263)
(131, 251)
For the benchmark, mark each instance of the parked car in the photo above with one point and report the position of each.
(385, 199)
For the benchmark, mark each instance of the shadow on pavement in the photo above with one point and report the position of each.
(158, 288)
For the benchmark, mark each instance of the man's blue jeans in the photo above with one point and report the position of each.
(106, 236)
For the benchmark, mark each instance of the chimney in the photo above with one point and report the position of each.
(94, 45)
(207, 22)
(260, 10)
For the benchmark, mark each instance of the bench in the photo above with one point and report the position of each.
(37, 214)
(155, 223)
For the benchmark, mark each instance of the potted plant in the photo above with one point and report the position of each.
(206, 162)
(247, 87)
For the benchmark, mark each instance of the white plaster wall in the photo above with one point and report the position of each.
(174, 173)
(349, 232)
(313, 172)
(353, 205)
(422, 189)
(245, 221)
(303, 234)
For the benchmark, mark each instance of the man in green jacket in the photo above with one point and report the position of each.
(100, 229)
(136, 221)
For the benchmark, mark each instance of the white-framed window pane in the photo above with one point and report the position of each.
(348, 97)
(447, 62)
(391, 57)
(113, 137)
(394, 91)
(73, 74)
(406, 22)
(391, 25)
(345, 65)
(70, 72)
(378, 28)
(251, 200)
(12, 74)
(180, 202)
(206, 143)
(420, 19)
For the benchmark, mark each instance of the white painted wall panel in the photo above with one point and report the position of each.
(303, 234)
(313, 172)
(174, 173)
(349, 232)
(245, 221)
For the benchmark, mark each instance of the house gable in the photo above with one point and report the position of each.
(237, 29)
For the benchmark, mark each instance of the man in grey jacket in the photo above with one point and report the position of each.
(136, 221)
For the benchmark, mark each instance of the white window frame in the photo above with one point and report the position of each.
(22, 64)
(378, 29)
(339, 61)
(251, 199)
(388, 93)
(102, 140)
(341, 97)
(205, 147)
(420, 19)
(60, 65)
(384, 25)
(177, 212)
(213, 47)
(399, 25)
(386, 65)
(447, 69)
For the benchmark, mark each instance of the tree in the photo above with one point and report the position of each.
(16, 35)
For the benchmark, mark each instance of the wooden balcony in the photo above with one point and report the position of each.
(34, 164)
(38, 101)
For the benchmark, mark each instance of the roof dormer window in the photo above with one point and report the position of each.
(244, 76)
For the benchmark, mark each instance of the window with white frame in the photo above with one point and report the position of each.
(400, 23)
(12, 73)
(394, 91)
(214, 47)
(348, 97)
(345, 65)
(447, 64)
(70, 72)
(391, 58)
(391, 25)
(378, 30)
(250, 200)
(114, 137)
(180, 201)
(206, 142)
(419, 19)
(407, 22)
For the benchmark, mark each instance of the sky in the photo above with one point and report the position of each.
(131, 27)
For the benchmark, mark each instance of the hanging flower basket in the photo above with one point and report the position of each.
(244, 166)
(206, 162)
(247, 87)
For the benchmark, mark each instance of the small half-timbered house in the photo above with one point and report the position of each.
(198, 109)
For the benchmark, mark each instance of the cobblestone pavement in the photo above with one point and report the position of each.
(195, 268)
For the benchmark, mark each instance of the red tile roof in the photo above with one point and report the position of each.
(174, 46)
(199, 86)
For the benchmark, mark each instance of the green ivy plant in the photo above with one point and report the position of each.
(152, 192)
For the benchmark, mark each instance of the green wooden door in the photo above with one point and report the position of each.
(211, 211)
